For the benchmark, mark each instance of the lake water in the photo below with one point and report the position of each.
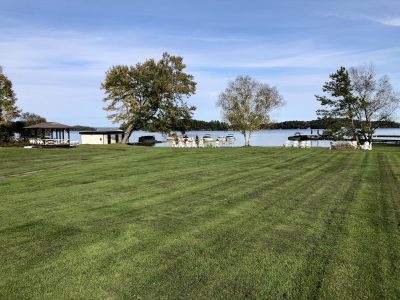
(273, 137)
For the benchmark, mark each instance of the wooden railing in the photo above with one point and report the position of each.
(48, 142)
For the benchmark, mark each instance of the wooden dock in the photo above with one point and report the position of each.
(305, 137)
(376, 139)
(386, 139)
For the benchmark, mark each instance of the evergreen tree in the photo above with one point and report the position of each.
(339, 103)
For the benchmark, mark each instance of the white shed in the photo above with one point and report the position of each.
(101, 137)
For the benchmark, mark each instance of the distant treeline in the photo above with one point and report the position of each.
(322, 124)
(213, 125)
(82, 128)
(196, 125)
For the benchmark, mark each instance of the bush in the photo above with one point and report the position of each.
(344, 145)
(14, 143)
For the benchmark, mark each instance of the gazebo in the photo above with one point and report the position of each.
(49, 134)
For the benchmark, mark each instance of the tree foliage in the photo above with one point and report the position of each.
(8, 109)
(325, 124)
(339, 103)
(376, 100)
(31, 119)
(246, 104)
(359, 100)
(149, 95)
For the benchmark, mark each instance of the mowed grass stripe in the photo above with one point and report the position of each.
(244, 287)
(236, 229)
(70, 209)
(358, 269)
(180, 238)
(283, 225)
(52, 188)
(321, 255)
(132, 203)
(245, 177)
(127, 166)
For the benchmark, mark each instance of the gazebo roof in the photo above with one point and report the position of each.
(49, 125)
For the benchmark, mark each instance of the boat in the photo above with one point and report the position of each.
(208, 138)
(221, 139)
(303, 137)
(230, 138)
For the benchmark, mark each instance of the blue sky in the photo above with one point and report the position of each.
(57, 52)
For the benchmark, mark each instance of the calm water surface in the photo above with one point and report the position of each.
(271, 138)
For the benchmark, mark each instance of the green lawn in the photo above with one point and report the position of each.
(120, 222)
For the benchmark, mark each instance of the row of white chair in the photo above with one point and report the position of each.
(187, 143)
(296, 144)
(191, 142)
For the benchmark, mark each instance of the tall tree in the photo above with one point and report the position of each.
(339, 103)
(31, 118)
(150, 94)
(376, 100)
(8, 109)
(357, 103)
(246, 104)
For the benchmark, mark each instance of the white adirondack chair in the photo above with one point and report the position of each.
(201, 143)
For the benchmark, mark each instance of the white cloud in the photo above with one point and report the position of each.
(388, 21)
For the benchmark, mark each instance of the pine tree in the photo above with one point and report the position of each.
(339, 103)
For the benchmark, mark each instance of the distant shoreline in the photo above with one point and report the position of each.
(216, 130)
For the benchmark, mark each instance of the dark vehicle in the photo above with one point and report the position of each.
(147, 139)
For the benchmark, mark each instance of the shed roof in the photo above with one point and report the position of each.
(49, 125)
(101, 132)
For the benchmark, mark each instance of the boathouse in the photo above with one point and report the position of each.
(101, 137)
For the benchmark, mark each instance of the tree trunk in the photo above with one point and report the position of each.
(127, 133)
(354, 129)
(370, 137)
(246, 135)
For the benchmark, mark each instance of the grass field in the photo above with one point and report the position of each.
(119, 222)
